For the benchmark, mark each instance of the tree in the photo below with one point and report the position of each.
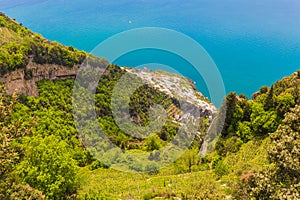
(48, 166)
(244, 131)
(10, 187)
(263, 122)
(191, 158)
(281, 180)
(153, 143)
(283, 103)
(286, 149)
(263, 89)
(8, 132)
(225, 145)
(269, 103)
(226, 114)
(188, 162)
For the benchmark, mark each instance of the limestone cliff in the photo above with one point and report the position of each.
(24, 80)
(27, 57)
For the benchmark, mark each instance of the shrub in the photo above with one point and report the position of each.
(153, 143)
(49, 167)
(231, 145)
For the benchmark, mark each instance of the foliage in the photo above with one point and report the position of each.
(231, 144)
(10, 131)
(19, 45)
(188, 162)
(244, 131)
(139, 107)
(262, 121)
(11, 188)
(284, 102)
(281, 180)
(42, 156)
(53, 136)
(286, 150)
(259, 117)
(227, 111)
(153, 143)
(48, 166)
(261, 178)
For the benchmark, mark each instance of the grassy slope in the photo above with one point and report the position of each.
(113, 184)
(167, 183)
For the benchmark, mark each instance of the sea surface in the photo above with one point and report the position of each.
(252, 42)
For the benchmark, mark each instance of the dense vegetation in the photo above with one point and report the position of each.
(42, 157)
(19, 45)
(46, 141)
(272, 114)
(52, 153)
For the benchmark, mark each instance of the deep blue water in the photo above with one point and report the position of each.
(253, 42)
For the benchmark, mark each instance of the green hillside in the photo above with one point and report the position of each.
(42, 157)
(18, 45)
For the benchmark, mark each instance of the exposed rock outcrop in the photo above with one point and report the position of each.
(24, 80)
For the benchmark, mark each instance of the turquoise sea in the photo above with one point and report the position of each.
(253, 42)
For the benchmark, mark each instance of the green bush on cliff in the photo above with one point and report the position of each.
(10, 154)
(48, 166)
(19, 45)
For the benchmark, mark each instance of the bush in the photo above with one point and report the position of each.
(221, 168)
(153, 143)
(231, 145)
(49, 167)
(281, 179)
(263, 89)
(244, 131)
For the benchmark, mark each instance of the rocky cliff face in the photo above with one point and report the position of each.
(24, 80)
